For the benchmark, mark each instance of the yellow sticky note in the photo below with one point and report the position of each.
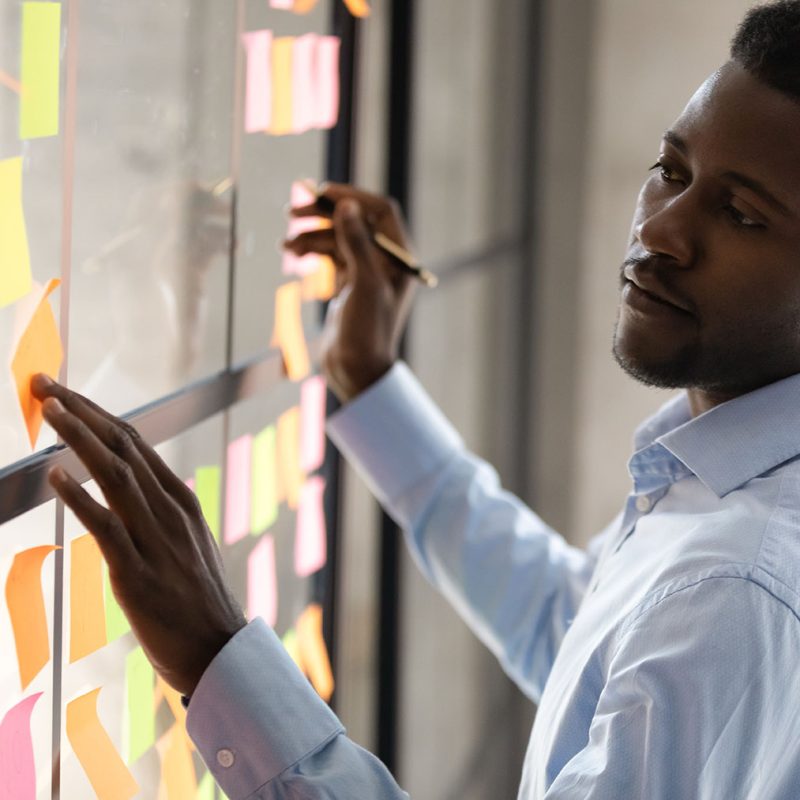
(103, 765)
(208, 485)
(25, 602)
(312, 651)
(289, 335)
(38, 350)
(290, 475)
(39, 70)
(15, 260)
(87, 626)
(281, 117)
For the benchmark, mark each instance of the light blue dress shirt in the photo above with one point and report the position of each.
(664, 659)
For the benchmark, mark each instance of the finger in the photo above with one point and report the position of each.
(113, 539)
(365, 261)
(377, 210)
(114, 475)
(322, 242)
(118, 436)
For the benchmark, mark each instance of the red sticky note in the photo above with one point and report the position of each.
(38, 350)
(25, 602)
(237, 489)
(17, 767)
(327, 81)
(289, 335)
(312, 423)
(262, 583)
(258, 91)
(310, 540)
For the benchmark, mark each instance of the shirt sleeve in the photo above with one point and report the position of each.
(514, 580)
(699, 701)
(265, 734)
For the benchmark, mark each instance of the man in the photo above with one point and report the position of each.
(664, 658)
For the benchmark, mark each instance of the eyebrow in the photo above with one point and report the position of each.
(737, 177)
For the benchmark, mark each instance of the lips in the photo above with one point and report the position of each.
(645, 283)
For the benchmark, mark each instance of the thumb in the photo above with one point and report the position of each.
(353, 240)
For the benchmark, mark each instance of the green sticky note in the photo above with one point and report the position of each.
(39, 70)
(205, 789)
(207, 483)
(15, 260)
(140, 680)
(263, 484)
(116, 622)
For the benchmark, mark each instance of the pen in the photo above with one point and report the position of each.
(401, 258)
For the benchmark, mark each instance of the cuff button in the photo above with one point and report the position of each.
(225, 758)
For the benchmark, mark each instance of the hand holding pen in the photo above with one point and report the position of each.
(367, 319)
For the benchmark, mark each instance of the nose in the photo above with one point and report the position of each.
(667, 226)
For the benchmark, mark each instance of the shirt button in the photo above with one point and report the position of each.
(225, 758)
(643, 503)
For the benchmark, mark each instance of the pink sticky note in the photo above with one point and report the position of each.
(327, 81)
(190, 482)
(312, 423)
(258, 94)
(310, 541)
(262, 584)
(309, 263)
(287, 4)
(17, 768)
(237, 490)
(304, 94)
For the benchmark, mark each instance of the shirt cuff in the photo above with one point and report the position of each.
(394, 434)
(253, 714)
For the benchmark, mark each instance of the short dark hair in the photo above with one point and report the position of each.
(767, 45)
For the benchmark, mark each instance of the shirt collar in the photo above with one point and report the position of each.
(733, 442)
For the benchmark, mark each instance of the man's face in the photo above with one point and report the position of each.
(721, 250)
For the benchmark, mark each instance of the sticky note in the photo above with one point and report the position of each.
(166, 692)
(281, 116)
(304, 76)
(313, 396)
(87, 623)
(208, 482)
(262, 583)
(258, 91)
(178, 778)
(327, 81)
(9, 82)
(289, 641)
(25, 602)
(290, 476)
(39, 71)
(289, 335)
(285, 4)
(312, 650)
(237, 489)
(310, 262)
(116, 622)
(264, 483)
(38, 350)
(105, 769)
(17, 765)
(310, 540)
(321, 283)
(358, 8)
(140, 681)
(15, 259)
(205, 789)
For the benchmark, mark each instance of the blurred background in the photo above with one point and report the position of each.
(517, 136)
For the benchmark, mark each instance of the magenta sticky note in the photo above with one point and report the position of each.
(17, 767)
(237, 489)
(262, 583)
(258, 81)
(312, 423)
(309, 263)
(304, 84)
(310, 541)
(327, 81)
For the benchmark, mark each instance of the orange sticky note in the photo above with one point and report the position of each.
(87, 622)
(321, 283)
(178, 778)
(290, 476)
(281, 117)
(103, 765)
(38, 350)
(15, 260)
(165, 692)
(25, 602)
(358, 8)
(289, 335)
(313, 653)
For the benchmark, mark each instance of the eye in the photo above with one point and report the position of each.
(664, 170)
(740, 219)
